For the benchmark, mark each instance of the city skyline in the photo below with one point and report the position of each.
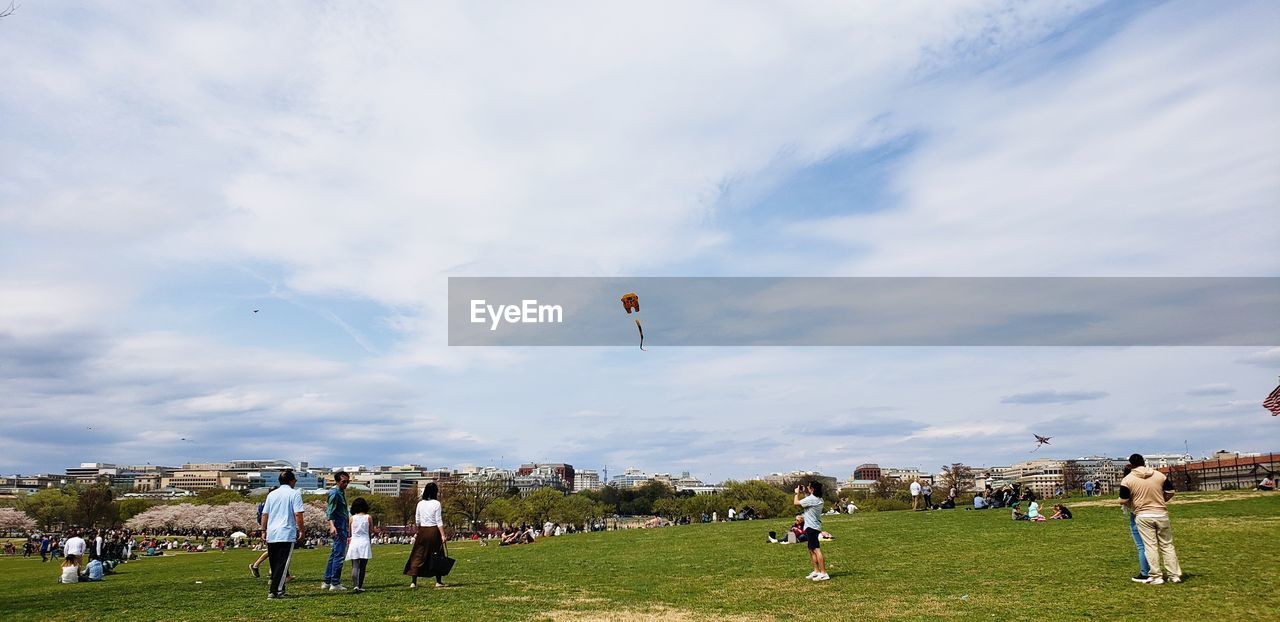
(598, 472)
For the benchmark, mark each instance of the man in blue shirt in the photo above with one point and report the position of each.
(282, 522)
(339, 530)
(812, 506)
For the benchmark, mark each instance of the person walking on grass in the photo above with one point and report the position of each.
(358, 550)
(1146, 492)
(339, 531)
(812, 507)
(430, 538)
(253, 568)
(282, 523)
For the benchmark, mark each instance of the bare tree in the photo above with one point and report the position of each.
(1072, 476)
(469, 499)
(957, 476)
(406, 503)
(886, 487)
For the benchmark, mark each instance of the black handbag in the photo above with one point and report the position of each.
(439, 564)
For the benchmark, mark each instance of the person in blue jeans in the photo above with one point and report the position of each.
(339, 529)
(1143, 566)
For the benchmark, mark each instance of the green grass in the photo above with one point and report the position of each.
(891, 565)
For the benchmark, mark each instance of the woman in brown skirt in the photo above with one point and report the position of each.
(430, 538)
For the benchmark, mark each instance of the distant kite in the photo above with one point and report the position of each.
(255, 310)
(631, 302)
(1041, 440)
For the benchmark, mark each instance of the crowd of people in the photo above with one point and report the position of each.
(922, 492)
(87, 556)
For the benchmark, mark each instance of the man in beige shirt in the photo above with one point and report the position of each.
(1146, 492)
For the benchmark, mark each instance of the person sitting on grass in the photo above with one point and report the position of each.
(980, 502)
(510, 536)
(1033, 512)
(1268, 483)
(793, 535)
(93, 571)
(71, 569)
(1061, 512)
(797, 530)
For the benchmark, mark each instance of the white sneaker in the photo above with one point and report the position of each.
(822, 577)
(324, 586)
(1173, 578)
(337, 587)
(1156, 581)
(812, 574)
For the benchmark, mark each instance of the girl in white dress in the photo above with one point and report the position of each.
(358, 549)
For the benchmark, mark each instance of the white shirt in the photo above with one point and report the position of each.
(73, 546)
(428, 513)
(280, 507)
(97, 544)
(915, 489)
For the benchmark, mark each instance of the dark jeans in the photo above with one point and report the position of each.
(333, 570)
(278, 555)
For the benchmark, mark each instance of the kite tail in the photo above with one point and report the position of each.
(641, 329)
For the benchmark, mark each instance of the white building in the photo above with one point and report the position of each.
(586, 480)
(631, 478)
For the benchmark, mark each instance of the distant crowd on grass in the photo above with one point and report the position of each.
(352, 528)
(87, 556)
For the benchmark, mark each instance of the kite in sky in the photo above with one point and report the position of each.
(1041, 440)
(631, 302)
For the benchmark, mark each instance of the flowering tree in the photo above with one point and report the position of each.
(242, 515)
(168, 518)
(15, 520)
(314, 519)
(230, 517)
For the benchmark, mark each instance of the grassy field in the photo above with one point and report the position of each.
(891, 565)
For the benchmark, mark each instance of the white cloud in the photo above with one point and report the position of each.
(1152, 155)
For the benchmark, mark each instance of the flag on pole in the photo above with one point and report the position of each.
(1272, 403)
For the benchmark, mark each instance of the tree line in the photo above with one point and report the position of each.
(467, 505)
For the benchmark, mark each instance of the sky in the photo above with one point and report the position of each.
(170, 167)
